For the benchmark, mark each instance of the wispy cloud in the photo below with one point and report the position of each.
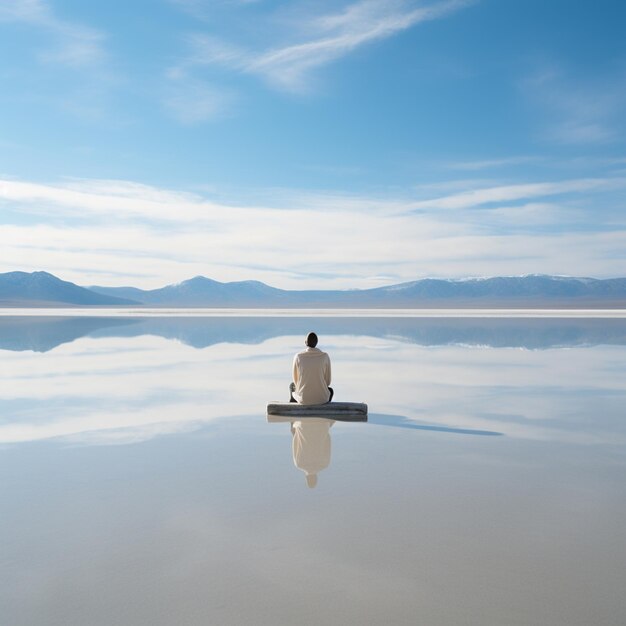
(485, 164)
(74, 45)
(309, 42)
(129, 201)
(340, 34)
(580, 111)
(322, 39)
(205, 9)
(192, 101)
(34, 11)
(507, 193)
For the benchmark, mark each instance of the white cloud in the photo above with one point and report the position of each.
(579, 111)
(75, 45)
(531, 214)
(35, 11)
(192, 101)
(116, 232)
(341, 33)
(205, 9)
(494, 163)
(208, 50)
(506, 193)
(323, 39)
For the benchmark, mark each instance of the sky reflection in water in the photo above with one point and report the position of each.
(486, 488)
(127, 380)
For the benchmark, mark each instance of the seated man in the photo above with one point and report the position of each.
(311, 375)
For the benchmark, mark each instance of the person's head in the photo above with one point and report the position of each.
(311, 340)
(311, 480)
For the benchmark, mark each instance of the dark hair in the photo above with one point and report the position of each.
(311, 340)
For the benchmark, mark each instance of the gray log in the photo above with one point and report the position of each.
(345, 411)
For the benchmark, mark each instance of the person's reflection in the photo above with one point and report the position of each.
(311, 446)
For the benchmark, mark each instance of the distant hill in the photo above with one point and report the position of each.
(514, 291)
(44, 289)
(501, 292)
(202, 292)
(534, 291)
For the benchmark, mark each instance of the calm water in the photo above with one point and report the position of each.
(142, 483)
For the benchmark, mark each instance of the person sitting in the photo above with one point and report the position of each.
(311, 375)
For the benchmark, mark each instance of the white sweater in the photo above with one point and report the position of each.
(311, 374)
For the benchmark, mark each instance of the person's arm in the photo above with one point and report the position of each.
(295, 370)
(327, 372)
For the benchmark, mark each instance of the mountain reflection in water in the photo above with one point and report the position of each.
(41, 334)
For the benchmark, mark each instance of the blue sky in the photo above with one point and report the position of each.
(312, 144)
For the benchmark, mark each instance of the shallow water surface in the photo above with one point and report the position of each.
(143, 484)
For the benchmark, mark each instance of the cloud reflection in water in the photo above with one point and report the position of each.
(120, 381)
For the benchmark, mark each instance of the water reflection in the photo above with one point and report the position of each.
(42, 334)
(207, 526)
(120, 381)
(310, 442)
(311, 446)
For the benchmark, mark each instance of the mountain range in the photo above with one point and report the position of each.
(41, 289)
